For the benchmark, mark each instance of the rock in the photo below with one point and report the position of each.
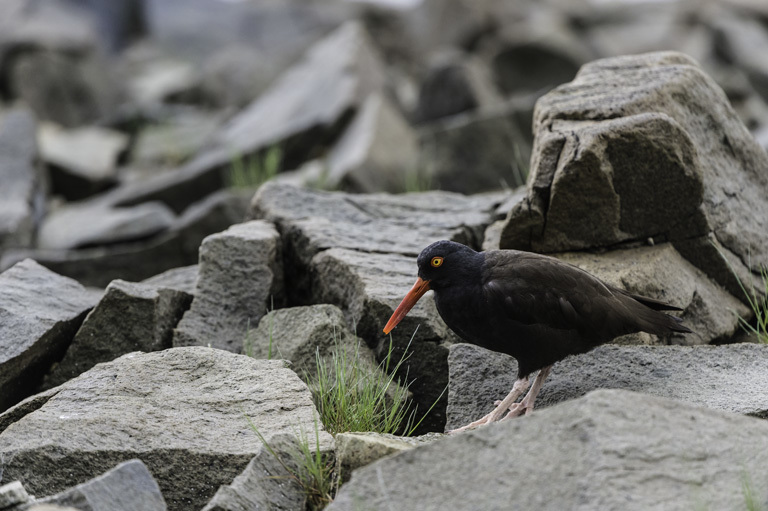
(742, 40)
(22, 195)
(660, 108)
(595, 451)
(660, 272)
(40, 312)
(98, 266)
(130, 317)
(12, 494)
(180, 279)
(729, 378)
(376, 153)
(181, 411)
(300, 334)
(83, 161)
(455, 83)
(489, 143)
(88, 225)
(368, 287)
(268, 482)
(355, 450)
(157, 80)
(313, 221)
(240, 277)
(309, 104)
(127, 487)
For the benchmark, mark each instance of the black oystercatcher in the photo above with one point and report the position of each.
(534, 307)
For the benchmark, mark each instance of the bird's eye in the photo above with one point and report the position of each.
(437, 261)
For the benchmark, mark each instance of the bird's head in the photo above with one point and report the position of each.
(441, 265)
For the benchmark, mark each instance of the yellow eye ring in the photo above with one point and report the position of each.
(437, 261)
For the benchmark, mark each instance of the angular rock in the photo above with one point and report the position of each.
(267, 482)
(156, 80)
(93, 224)
(40, 312)
(730, 377)
(742, 41)
(127, 487)
(489, 143)
(83, 160)
(181, 411)
(12, 494)
(660, 272)
(455, 83)
(355, 450)
(130, 317)
(312, 221)
(240, 277)
(376, 153)
(180, 279)
(594, 451)
(300, 334)
(22, 195)
(98, 266)
(653, 138)
(308, 104)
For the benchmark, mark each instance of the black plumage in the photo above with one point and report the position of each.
(535, 308)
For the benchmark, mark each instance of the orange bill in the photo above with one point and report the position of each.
(416, 292)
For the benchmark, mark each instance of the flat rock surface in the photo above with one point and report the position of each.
(732, 377)
(611, 449)
(40, 312)
(90, 152)
(181, 411)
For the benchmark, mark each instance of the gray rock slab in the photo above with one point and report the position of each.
(378, 151)
(40, 312)
(315, 220)
(82, 226)
(300, 334)
(129, 317)
(268, 482)
(181, 411)
(127, 487)
(98, 266)
(22, 196)
(334, 77)
(355, 450)
(175, 139)
(12, 494)
(368, 287)
(730, 377)
(660, 272)
(488, 142)
(675, 116)
(89, 152)
(611, 449)
(240, 277)
(181, 279)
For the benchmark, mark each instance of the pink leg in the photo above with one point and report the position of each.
(526, 405)
(517, 390)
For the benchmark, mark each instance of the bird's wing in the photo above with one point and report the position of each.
(536, 289)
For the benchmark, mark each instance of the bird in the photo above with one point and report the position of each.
(534, 307)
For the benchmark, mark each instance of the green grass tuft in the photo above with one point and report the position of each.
(255, 170)
(758, 302)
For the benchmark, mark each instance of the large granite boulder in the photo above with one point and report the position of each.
(40, 312)
(639, 147)
(731, 377)
(611, 449)
(181, 411)
(240, 278)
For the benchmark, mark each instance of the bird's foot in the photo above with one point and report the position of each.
(472, 425)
